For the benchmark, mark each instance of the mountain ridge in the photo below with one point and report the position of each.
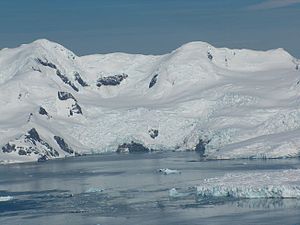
(196, 97)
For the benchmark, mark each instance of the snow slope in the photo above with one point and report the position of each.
(223, 103)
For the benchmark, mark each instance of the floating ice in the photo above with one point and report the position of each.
(94, 190)
(5, 198)
(174, 193)
(278, 184)
(167, 171)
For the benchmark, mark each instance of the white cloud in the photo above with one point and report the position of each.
(272, 4)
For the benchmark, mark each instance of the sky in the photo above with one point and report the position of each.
(151, 26)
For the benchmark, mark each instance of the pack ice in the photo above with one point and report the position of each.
(223, 103)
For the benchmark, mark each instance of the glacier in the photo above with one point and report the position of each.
(223, 103)
(251, 185)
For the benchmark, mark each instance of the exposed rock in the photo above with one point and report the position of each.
(297, 67)
(46, 63)
(153, 133)
(200, 147)
(63, 145)
(51, 151)
(62, 95)
(22, 152)
(43, 111)
(153, 81)
(66, 80)
(75, 109)
(29, 117)
(58, 73)
(132, 147)
(111, 80)
(30, 143)
(80, 80)
(33, 136)
(43, 158)
(209, 56)
(36, 69)
(8, 148)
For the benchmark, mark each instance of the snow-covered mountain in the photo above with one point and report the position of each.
(223, 103)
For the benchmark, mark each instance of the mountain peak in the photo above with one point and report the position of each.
(44, 42)
(49, 46)
(225, 102)
(195, 45)
(201, 45)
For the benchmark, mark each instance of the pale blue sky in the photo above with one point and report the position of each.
(151, 26)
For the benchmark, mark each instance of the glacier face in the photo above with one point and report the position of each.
(278, 184)
(224, 103)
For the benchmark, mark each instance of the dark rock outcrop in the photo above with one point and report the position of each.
(200, 147)
(36, 69)
(209, 56)
(111, 80)
(62, 95)
(22, 152)
(43, 158)
(132, 147)
(46, 63)
(80, 80)
(63, 145)
(8, 148)
(29, 117)
(33, 136)
(58, 73)
(43, 111)
(51, 151)
(153, 81)
(31, 143)
(153, 133)
(75, 109)
(66, 80)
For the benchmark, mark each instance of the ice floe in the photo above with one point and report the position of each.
(5, 198)
(167, 171)
(94, 190)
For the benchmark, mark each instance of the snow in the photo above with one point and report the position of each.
(239, 103)
(272, 184)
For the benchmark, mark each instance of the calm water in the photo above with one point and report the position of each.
(127, 189)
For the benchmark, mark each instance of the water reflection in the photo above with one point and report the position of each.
(128, 189)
